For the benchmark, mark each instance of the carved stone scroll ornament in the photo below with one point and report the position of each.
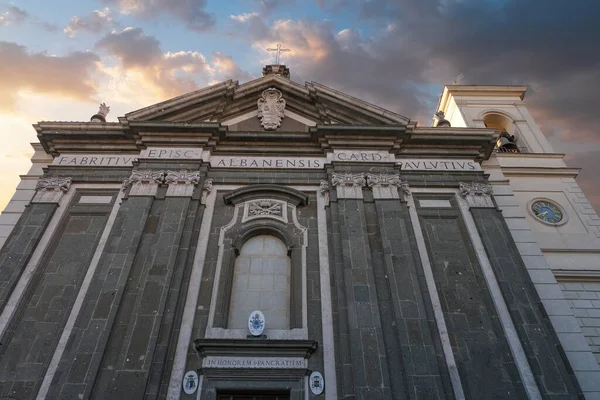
(270, 109)
(348, 185)
(324, 190)
(182, 183)
(385, 186)
(143, 182)
(206, 189)
(477, 194)
(51, 189)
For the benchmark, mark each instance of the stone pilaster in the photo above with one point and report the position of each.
(20, 245)
(405, 307)
(130, 355)
(143, 182)
(94, 324)
(182, 183)
(51, 189)
(385, 186)
(477, 194)
(367, 353)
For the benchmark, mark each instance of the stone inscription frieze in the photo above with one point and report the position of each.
(269, 162)
(254, 362)
(95, 160)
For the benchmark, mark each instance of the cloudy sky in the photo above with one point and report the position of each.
(60, 58)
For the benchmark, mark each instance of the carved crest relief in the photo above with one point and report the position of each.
(265, 208)
(270, 109)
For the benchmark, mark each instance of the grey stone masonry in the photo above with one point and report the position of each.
(129, 353)
(546, 357)
(20, 245)
(407, 318)
(33, 334)
(484, 360)
(81, 359)
(584, 299)
(367, 347)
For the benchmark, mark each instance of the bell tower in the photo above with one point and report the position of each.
(498, 107)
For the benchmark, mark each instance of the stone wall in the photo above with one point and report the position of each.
(584, 299)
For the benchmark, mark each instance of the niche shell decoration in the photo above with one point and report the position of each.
(256, 323)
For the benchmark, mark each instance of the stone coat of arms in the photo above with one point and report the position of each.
(270, 109)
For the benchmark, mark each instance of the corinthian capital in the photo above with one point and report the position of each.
(477, 194)
(143, 182)
(348, 185)
(385, 186)
(181, 183)
(51, 189)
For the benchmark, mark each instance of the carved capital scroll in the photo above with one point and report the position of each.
(477, 194)
(51, 189)
(385, 186)
(206, 189)
(348, 185)
(143, 182)
(182, 183)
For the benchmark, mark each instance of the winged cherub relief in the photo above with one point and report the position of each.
(270, 109)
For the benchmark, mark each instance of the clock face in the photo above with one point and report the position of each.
(547, 212)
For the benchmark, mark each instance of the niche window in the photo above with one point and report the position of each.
(507, 142)
(261, 281)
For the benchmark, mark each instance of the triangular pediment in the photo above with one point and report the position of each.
(235, 105)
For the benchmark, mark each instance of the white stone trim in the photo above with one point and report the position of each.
(62, 343)
(326, 307)
(554, 203)
(435, 301)
(32, 265)
(426, 203)
(304, 231)
(191, 301)
(95, 199)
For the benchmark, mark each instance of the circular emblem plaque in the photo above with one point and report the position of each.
(256, 323)
(190, 382)
(316, 383)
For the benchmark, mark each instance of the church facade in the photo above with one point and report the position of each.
(273, 240)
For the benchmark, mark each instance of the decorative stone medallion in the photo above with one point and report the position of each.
(316, 383)
(256, 323)
(270, 109)
(190, 382)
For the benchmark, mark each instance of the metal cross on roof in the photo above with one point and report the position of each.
(278, 50)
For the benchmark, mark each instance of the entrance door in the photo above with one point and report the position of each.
(254, 396)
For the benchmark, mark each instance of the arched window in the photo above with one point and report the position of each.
(261, 281)
(507, 143)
